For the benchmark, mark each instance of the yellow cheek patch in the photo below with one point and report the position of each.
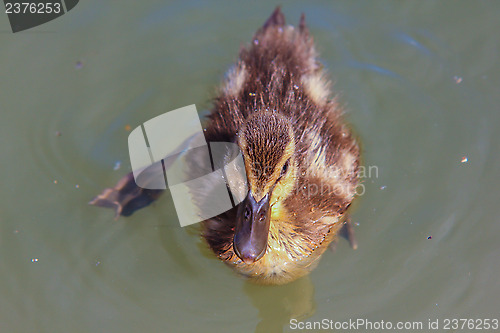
(284, 187)
(278, 212)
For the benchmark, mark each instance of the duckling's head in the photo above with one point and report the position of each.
(268, 146)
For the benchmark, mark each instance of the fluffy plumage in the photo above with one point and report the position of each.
(276, 104)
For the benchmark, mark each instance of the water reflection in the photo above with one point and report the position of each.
(277, 305)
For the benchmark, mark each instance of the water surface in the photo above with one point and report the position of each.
(420, 83)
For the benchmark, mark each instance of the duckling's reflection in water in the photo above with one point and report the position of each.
(277, 305)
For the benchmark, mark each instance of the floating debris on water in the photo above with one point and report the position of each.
(55, 181)
(117, 166)
(77, 186)
(457, 79)
(383, 187)
(127, 128)
(464, 159)
(79, 64)
(430, 237)
(34, 260)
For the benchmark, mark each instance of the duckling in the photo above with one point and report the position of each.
(301, 160)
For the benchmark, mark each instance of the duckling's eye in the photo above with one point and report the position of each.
(284, 169)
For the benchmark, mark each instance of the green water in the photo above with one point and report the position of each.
(420, 81)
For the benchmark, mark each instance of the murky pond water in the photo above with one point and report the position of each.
(420, 81)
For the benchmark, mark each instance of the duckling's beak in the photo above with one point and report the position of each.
(252, 228)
